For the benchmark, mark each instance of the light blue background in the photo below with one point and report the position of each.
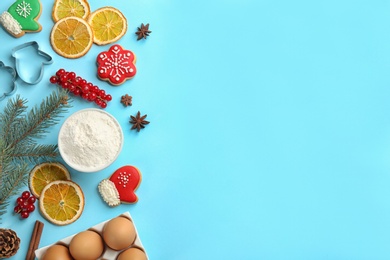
(269, 134)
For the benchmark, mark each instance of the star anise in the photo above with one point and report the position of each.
(138, 121)
(143, 31)
(126, 100)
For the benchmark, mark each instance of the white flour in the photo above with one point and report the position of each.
(90, 140)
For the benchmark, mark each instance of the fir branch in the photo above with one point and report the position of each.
(40, 118)
(5, 161)
(12, 112)
(35, 154)
(11, 183)
(18, 147)
(10, 176)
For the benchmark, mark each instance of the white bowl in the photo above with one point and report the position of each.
(90, 140)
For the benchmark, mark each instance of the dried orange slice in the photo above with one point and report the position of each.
(61, 202)
(66, 8)
(44, 173)
(71, 37)
(108, 25)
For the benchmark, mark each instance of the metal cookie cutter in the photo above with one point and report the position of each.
(7, 86)
(30, 62)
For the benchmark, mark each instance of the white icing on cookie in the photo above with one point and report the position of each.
(10, 24)
(24, 9)
(109, 192)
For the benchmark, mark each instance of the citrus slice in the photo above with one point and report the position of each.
(67, 8)
(71, 37)
(108, 25)
(61, 202)
(44, 173)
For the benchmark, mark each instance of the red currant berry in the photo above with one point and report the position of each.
(83, 82)
(64, 78)
(24, 214)
(30, 208)
(17, 209)
(20, 201)
(103, 104)
(31, 200)
(95, 89)
(26, 195)
(98, 101)
(77, 92)
(71, 87)
(102, 92)
(108, 97)
(89, 84)
(71, 75)
(24, 205)
(53, 79)
(92, 96)
(85, 96)
(85, 89)
(65, 85)
(76, 81)
(60, 72)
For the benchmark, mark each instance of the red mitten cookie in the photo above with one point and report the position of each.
(121, 186)
(116, 65)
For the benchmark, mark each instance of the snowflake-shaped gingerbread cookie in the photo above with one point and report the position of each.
(116, 65)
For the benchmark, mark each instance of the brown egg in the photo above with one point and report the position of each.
(119, 233)
(132, 254)
(86, 245)
(57, 252)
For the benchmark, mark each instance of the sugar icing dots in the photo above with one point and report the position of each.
(116, 65)
(121, 186)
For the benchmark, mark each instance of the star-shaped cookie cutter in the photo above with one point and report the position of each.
(25, 74)
(7, 91)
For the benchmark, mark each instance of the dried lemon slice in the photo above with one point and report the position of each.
(71, 37)
(61, 202)
(108, 25)
(67, 8)
(44, 173)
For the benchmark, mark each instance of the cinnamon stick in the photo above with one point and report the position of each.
(34, 241)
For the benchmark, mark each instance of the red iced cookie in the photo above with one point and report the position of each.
(121, 186)
(116, 65)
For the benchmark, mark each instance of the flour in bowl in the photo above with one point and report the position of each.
(90, 140)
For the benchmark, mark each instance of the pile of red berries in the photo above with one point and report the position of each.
(25, 204)
(80, 87)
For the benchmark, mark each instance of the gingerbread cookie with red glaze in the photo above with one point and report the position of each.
(116, 65)
(121, 186)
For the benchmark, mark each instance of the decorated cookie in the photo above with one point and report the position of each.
(21, 17)
(121, 186)
(116, 65)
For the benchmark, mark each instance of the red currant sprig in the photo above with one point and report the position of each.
(25, 204)
(80, 87)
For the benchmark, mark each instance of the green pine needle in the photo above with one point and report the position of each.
(11, 183)
(35, 154)
(19, 149)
